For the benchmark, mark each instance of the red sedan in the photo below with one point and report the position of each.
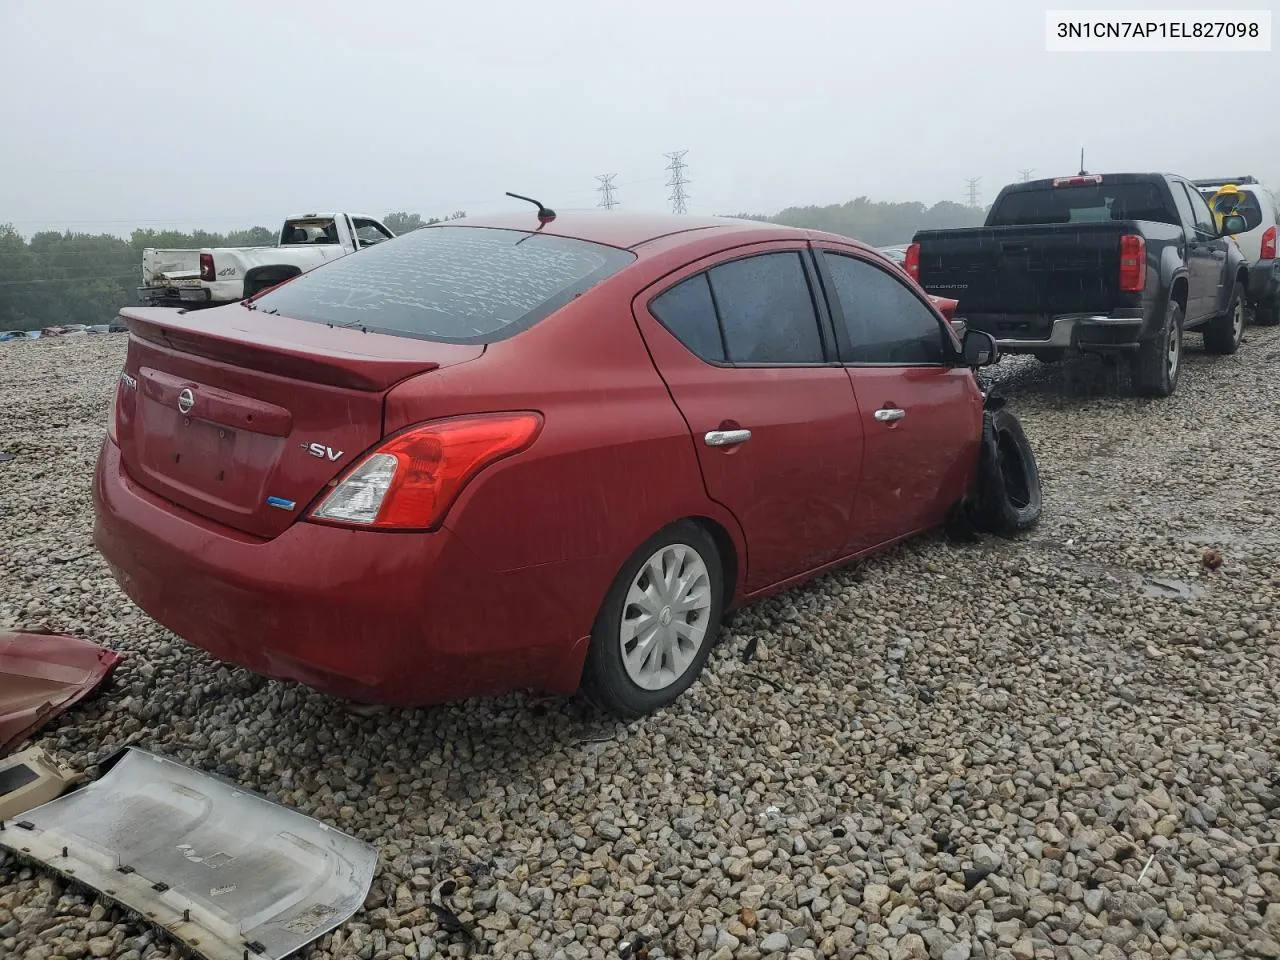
(535, 453)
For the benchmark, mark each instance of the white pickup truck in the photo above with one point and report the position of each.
(213, 276)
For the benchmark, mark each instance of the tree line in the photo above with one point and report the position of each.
(59, 278)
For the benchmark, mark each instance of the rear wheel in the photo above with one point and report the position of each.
(1050, 356)
(1159, 360)
(1009, 496)
(658, 622)
(1267, 314)
(1222, 334)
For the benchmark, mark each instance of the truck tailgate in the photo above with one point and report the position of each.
(1043, 269)
(160, 264)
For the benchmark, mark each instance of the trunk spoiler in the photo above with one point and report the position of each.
(291, 348)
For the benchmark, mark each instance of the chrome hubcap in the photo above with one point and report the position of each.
(665, 617)
(1175, 349)
(1237, 321)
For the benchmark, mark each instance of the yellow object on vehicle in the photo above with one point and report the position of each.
(1224, 203)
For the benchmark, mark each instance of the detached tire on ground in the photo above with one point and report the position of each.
(1009, 498)
(1222, 334)
(657, 624)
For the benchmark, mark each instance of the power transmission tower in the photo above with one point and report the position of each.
(1026, 173)
(972, 190)
(677, 181)
(606, 191)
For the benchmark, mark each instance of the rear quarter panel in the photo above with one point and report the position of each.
(614, 463)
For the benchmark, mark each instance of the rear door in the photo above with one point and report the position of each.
(921, 416)
(1206, 257)
(740, 342)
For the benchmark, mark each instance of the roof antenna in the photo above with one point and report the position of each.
(545, 214)
(1083, 171)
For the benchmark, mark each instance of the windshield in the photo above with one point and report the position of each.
(1084, 203)
(453, 284)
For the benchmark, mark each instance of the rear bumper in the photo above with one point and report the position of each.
(1120, 330)
(400, 619)
(1264, 282)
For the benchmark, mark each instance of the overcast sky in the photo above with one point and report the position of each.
(230, 113)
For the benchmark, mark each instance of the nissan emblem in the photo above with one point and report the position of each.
(186, 400)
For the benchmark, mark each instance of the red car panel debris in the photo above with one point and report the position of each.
(42, 675)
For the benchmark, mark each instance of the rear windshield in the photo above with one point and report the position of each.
(453, 284)
(1086, 203)
(1248, 207)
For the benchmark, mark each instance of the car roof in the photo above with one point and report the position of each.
(632, 230)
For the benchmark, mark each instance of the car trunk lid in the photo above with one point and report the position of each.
(243, 417)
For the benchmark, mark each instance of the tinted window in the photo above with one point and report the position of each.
(1183, 203)
(1083, 204)
(1203, 218)
(885, 320)
(456, 284)
(766, 310)
(688, 311)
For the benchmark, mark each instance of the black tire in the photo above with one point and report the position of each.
(1009, 499)
(606, 681)
(1050, 356)
(1158, 363)
(1267, 314)
(1222, 334)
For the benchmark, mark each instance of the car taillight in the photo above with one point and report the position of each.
(912, 262)
(1133, 264)
(412, 478)
(1268, 251)
(206, 268)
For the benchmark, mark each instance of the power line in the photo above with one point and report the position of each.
(606, 191)
(677, 182)
(971, 190)
(1026, 173)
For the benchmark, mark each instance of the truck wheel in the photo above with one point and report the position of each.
(1159, 361)
(1050, 356)
(1222, 334)
(658, 623)
(1267, 314)
(1009, 497)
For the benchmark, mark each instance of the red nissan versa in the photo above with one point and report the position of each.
(506, 453)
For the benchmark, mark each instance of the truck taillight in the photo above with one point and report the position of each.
(206, 268)
(1133, 264)
(1268, 251)
(412, 478)
(912, 262)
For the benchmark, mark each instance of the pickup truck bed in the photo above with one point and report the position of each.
(1111, 264)
(1042, 287)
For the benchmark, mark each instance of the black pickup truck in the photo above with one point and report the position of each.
(1110, 264)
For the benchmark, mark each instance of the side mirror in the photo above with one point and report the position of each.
(979, 348)
(1232, 224)
(959, 325)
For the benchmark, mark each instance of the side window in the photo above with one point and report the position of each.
(688, 311)
(886, 322)
(766, 310)
(1180, 200)
(1203, 218)
(368, 232)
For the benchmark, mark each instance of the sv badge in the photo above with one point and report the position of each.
(321, 451)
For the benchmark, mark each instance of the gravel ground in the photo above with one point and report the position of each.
(1063, 746)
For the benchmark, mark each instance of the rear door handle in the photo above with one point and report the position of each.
(889, 414)
(726, 438)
